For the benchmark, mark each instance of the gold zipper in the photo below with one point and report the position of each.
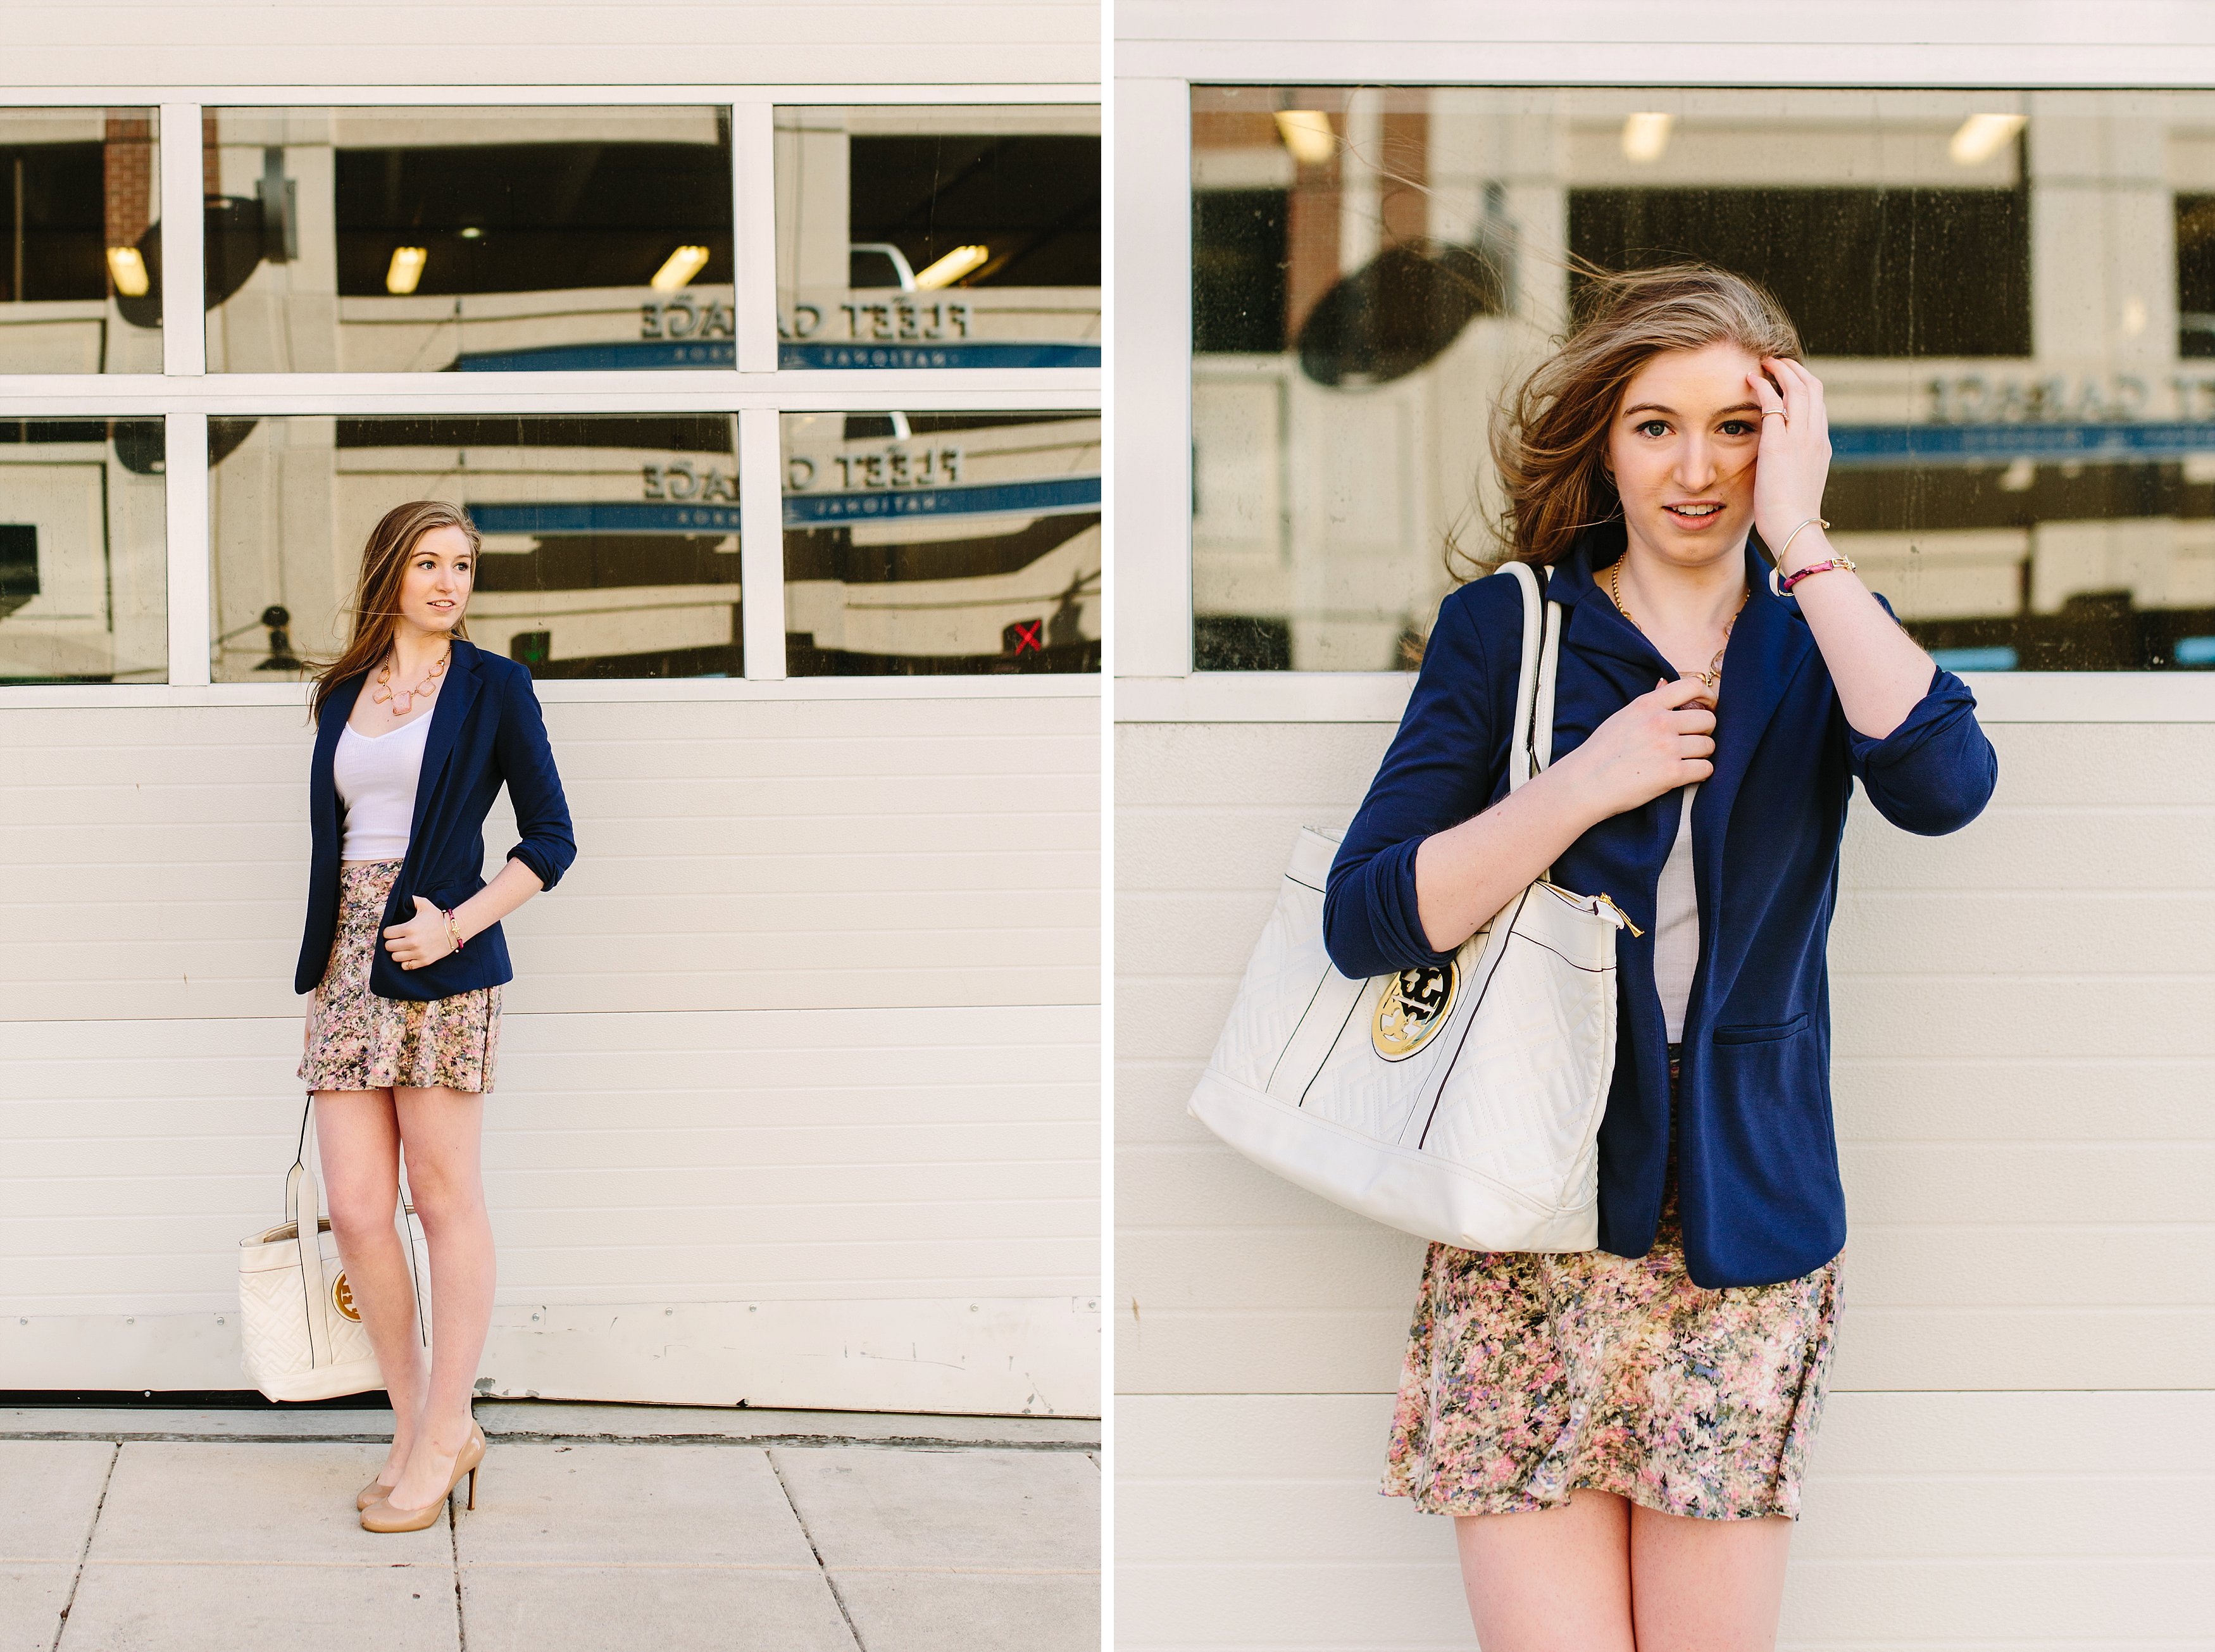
(1622, 916)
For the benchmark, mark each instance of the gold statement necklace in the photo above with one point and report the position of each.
(402, 700)
(1713, 676)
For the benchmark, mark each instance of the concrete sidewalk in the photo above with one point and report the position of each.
(596, 1527)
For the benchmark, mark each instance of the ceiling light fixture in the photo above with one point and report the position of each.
(1307, 133)
(1981, 136)
(951, 268)
(405, 270)
(128, 271)
(679, 267)
(1646, 135)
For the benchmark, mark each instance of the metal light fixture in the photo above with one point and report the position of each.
(945, 272)
(1307, 133)
(1979, 137)
(679, 267)
(1646, 135)
(405, 270)
(126, 268)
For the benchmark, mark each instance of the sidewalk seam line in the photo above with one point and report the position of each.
(454, 1559)
(822, 1571)
(61, 1628)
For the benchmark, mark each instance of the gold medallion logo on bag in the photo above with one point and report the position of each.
(1414, 1004)
(342, 1299)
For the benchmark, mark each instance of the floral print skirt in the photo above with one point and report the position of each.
(358, 1041)
(1531, 1376)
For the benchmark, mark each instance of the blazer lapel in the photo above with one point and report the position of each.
(1768, 646)
(455, 696)
(331, 723)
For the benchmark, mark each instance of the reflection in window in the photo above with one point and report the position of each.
(471, 239)
(611, 541)
(84, 573)
(80, 276)
(2025, 444)
(927, 543)
(1904, 271)
(949, 237)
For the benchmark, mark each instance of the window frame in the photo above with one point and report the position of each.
(185, 394)
(1163, 51)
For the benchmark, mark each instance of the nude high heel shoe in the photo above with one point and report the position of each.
(382, 1516)
(374, 1492)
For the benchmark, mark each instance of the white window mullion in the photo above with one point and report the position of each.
(1153, 378)
(753, 233)
(185, 473)
(184, 320)
(761, 543)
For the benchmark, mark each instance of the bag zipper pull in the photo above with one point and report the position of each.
(1622, 917)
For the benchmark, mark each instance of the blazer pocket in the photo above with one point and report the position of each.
(1762, 1034)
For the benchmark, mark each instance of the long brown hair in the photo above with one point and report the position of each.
(376, 591)
(1550, 435)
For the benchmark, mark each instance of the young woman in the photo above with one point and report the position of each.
(416, 731)
(1621, 1433)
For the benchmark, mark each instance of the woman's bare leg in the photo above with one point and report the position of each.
(442, 1133)
(1706, 1586)
(358, 1141)
(1554, 1580)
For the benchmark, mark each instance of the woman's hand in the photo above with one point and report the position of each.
(1660, 741)
(1657, 743)
(421, 940)
(1794, 461)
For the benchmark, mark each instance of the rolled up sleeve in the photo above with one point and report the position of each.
(1437, 773)
(1935, 773)
(548, 843)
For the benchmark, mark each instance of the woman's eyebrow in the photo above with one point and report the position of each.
(1656, 407)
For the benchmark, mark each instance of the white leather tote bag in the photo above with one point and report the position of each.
(1461, 1103)
(303, 1337)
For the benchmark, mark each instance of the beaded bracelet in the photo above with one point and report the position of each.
(453, 928)
(1843, 563)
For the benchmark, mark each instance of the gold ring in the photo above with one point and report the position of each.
(1776, 412)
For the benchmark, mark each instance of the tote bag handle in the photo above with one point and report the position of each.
(303, 1209)
(1531, 749)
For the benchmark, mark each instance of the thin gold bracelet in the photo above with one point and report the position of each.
(1812, 522)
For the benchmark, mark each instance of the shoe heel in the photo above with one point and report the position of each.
(472, 1488)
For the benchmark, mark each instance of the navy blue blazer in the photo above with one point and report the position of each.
(486, 727)
(1757, 1164)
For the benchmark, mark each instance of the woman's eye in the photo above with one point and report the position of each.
(1654, 427)
(1737, 427)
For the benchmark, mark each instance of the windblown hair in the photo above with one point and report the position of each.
(1550, 435)
(376, 591)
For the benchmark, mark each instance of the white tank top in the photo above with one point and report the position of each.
(1677, 926)
(376, 778)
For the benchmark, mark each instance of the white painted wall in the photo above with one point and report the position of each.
(798, 1097)
(2016, 1451)
(532, 43)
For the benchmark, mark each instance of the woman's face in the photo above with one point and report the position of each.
(435, 585)
(1682, 449)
